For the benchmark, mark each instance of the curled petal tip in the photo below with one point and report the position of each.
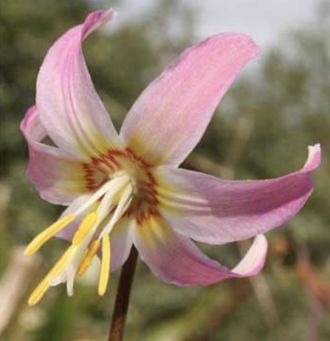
(314, 157)
(315, 148)
(240, 40)
(249, 40)
(26, 120)
(254, 260)
(66, 98)
(96, 19)
(112, 12)
(109, 14)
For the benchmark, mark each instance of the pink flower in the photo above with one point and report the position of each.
(126, 189)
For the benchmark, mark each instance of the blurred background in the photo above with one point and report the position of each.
(278, 106)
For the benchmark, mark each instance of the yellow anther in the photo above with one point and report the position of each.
(48, 233)
(87, 260)
(62, 262)
(39, 291)
(105, 265)
(56, 270)
(84, 228)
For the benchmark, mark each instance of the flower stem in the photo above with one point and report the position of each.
(122, 298)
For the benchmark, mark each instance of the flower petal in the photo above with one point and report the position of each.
(175, 259)
(216, 211)
(173, 112)
(57, 176)
(121, 242)
(69, 107)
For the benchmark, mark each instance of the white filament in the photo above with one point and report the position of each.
(111, 186)
(121, 208)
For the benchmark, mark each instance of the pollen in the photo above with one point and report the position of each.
(105, 265)
(84, 228)
(47, 234)
(39, 292)
(86, 261)
(44, 285)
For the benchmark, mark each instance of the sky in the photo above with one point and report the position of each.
(264, 20)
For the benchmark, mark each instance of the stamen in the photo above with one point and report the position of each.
(84, 228)
(122, 206)
(41, 289)
(105, 265)
(63, 261)
(107, 202)
(86, 261)
(39, 292)
(113, 185)
(115, 193)
(48, 233)
(69, 272)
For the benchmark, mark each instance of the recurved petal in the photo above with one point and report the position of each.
(175, 259)
(217, 211)
(172, 113)
(56, 175)
(70, 109)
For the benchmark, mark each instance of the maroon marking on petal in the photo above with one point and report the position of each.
(145, 215)
(137, 159)
(100, 168)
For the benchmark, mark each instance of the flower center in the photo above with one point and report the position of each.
(123, 186)
(144, 197)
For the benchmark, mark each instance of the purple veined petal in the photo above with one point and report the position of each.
(176, 259)
(69, 107)
(173, 112)
(56, 175)
(121, 242)
(217, 211)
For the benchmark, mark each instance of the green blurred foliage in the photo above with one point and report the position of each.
(285, 102)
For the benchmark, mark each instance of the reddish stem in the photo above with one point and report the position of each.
(122, 298)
